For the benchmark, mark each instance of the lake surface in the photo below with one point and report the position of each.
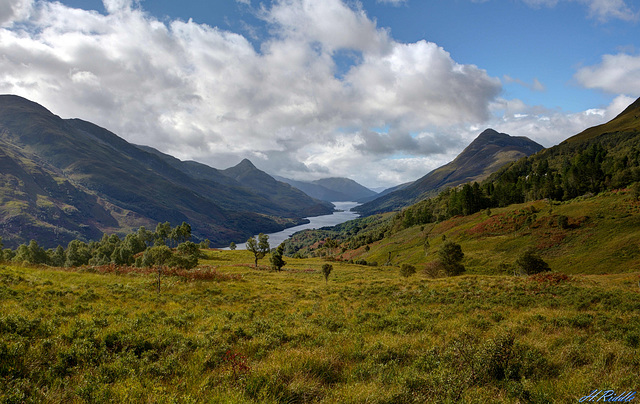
(316, 222)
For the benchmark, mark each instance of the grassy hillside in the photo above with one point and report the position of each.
(600, 236)
(232, 334)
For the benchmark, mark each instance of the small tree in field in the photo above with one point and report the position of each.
(450, 255)
(232, 246)
(259, 247)
(276, 258)
(157, 256)
(407, 270)
(326, 271)
(252, 245)
(263, 244)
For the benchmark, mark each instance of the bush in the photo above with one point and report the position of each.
(407, 270)
(276, 258)
(433, 269)
(326, 270)
(530, 263)
(450, 255)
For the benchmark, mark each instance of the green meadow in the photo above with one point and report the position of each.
(596, 234)
(226, 332)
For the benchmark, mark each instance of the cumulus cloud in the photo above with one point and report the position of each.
(200, 92)
(14, 10)
(549, 126)
(616, 74)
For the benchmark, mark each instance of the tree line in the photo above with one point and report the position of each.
(168, 246)
(560, 174)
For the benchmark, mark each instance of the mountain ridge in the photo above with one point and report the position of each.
(489, 151)
(333, 189)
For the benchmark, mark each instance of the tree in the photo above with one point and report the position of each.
(426, 246)
(252, 245)
(186, 256)
(162, 233)
(277, 262)
(78, 253)
(124, 253)
(450, 255)
(180, 233)
(530, 263)
(263, 243)
(103, 250)
(232, 246)
(326, 270)
(31, 253)
(145, 236)
(407, 270)
(57, 257)
(157, 256)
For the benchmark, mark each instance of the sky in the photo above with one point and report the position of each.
(380, 91)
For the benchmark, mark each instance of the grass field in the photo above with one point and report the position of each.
(601, 235)
(229, 333)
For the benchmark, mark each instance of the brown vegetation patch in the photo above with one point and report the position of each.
(549, 278)
(201, 273)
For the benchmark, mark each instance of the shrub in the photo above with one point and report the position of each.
(450, 255)
(563, 222)
(433, 269)
(326, 270)
(407, 270)
(530, 263)
(276, 258)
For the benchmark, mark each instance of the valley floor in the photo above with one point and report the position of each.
(230, 333)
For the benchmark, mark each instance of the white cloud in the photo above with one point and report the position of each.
(14, 10)
(603, 10)
(616, 74)
(203, 93)
(550, 127)
(395, 3)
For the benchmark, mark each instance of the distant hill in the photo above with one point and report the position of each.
(247, 188)
(485, 155)
(387, 191)
(66, 179)
(334, 189)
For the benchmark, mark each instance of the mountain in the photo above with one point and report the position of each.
(247, 188)
(334, 189)
(279, 192)
(66, 179)
(353, 191)
(485, 155)
(387, 191)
